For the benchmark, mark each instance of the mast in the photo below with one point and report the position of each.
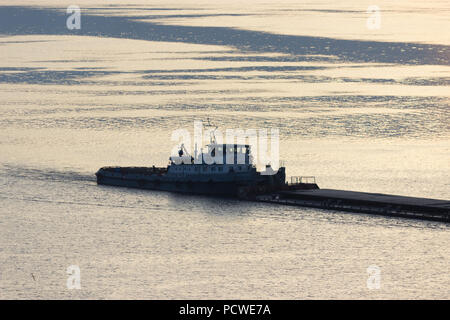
(212, 137)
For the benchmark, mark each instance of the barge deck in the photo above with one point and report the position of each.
(363, 202)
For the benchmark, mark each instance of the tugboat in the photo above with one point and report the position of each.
(192, 174)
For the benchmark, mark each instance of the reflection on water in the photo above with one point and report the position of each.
(369, 113)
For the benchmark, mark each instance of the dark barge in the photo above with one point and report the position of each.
(363, 202)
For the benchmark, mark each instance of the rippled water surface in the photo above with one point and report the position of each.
(360, 109)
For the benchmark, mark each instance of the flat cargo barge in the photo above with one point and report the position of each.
(363, 202)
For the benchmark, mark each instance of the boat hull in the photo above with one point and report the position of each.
(234, 184)
(231, 189)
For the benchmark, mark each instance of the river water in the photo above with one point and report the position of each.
(358, 108)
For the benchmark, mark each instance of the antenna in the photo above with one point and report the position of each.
(212, 135)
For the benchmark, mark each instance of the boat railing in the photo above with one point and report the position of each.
(302, 179)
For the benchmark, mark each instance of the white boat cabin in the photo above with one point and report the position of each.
(219, 159)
